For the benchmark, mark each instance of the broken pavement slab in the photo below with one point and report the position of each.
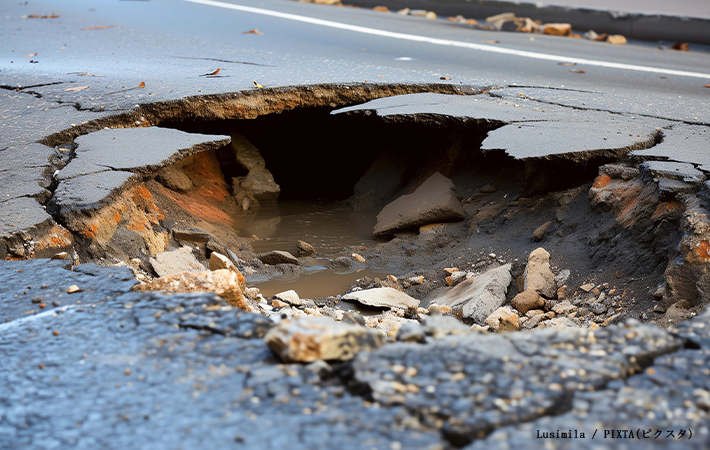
(525, 129)
(109, 161)
(384, 297)
(478, 297)
(433, 202)
(139, 150)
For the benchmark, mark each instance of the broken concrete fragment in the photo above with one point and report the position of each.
(538, 276)
(219, 262)
(527, 300)
(277, 257)
(385, 297)
(434, 201)
(479, 296)
(176, 261)
(191, 235)
(290, 297)
(225, 283)
(312, 338)
(674, 170)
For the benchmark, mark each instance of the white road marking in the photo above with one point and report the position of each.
(447, 42)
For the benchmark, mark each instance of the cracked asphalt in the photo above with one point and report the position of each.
(107, 367)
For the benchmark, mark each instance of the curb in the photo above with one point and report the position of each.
(652, 27)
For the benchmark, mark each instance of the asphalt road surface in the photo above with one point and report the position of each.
(310, 44)
(106, 367)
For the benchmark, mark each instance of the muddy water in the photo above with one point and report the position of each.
(328, 227)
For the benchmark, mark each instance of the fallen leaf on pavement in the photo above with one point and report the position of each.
(568, 64)
(616, 39)
(444, 78)
(257, 85)
(212, 73)
(489, 41)
(681, 46)
(380, 9)
(80, 88)
(707, 86)
(254, 31)
(99, 28)
(142, 85)
(30, 56)
(577, 71)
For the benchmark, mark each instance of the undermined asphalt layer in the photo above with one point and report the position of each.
(108, 367)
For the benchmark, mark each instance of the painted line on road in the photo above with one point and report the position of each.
(447, 42)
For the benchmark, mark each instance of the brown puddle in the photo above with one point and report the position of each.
(328, 227)
(317, 283)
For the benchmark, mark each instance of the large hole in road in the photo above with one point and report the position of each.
(308, 175)
(335, 173)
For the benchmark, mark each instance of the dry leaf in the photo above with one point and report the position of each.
(257, 85)
(30, 56)
(142, 85)
(99, 28)
(568, 64)
(681, 46)
(211, 73)
(380, 9)
(444, 78)
(489, 41)
(707, 86)
(33, 16)
(380, 76)
(76, 89)
(577, 71)
(254, 31)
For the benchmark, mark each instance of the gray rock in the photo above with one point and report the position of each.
(312, 338)
(191, 235)
(246, 154)
(599, 308)
(384, 297)
(278, 257)
(479, 296)
(176, 261)
(433, 201)
(260, 183)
